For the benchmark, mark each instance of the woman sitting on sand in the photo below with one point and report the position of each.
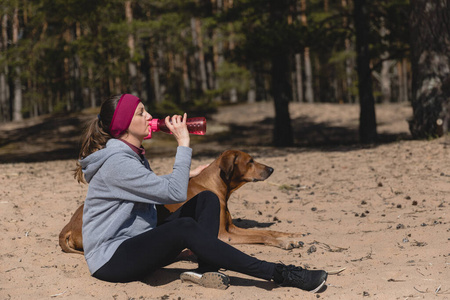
(122, 241)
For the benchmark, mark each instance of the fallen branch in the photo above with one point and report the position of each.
(14, 269)
(421, 291)
(368, 256)
(435, 292)
(395, 280)
(60, 294)
(328, 247)
(288, 187)
(335, 272)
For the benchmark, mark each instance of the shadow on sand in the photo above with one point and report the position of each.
(58, 138)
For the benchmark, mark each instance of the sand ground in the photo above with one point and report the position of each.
(381, 212)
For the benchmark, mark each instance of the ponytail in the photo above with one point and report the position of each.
(96, 134)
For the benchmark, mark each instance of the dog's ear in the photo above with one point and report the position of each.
(227, 165)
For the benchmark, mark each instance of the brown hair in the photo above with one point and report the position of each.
(96, 133)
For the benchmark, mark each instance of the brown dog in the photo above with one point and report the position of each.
(223, 176)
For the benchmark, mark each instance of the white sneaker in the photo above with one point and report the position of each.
(215, 280)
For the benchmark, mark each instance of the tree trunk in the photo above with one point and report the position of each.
(92, 98)
(430, 60)
(298, 77)
(145, 70)
(161, 72)
(4, 88)
(298, 82)
(385, 81)
(186, 81)
(349, 63)
(385, 78)
(251, 94)
(76, 72)
(156, 83)
(402, 80)
(282, 135)
(218, 50)
(66, 88)
(132, 68)
(4, 107)
(199, 56)
(231, 45)
(367, 119)
(309, 91)
(281, 89)
(17, 102)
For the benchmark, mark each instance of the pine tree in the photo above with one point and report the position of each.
(430, 59)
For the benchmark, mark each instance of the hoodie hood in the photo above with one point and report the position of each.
(93, 162)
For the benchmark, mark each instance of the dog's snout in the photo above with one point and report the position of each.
(269, 170)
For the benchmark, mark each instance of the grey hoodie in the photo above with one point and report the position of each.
(121, 197)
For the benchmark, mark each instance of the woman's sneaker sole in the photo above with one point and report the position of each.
(319, 287)
(214, 280)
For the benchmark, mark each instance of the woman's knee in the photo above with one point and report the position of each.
(209, 198)
(186, 224)
(208, 202)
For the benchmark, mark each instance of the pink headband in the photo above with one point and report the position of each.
(123, 114)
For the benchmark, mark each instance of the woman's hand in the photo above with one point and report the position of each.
(177, 125)
(197, 170)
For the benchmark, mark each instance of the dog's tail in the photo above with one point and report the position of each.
(64, 237)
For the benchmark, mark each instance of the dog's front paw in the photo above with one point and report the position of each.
(291, 244)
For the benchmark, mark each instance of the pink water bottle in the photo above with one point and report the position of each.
(195, 126)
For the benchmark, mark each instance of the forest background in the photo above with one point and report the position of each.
(61, 56)
(379, 210)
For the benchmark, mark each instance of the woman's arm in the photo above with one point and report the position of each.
(128, 179)
(177, 125)
(197, 170)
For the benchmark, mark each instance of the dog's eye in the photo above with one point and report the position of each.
(250, 161)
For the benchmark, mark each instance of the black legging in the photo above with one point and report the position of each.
(195, 226)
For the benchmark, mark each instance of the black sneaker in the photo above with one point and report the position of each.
(215, 280)
(311, 281)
